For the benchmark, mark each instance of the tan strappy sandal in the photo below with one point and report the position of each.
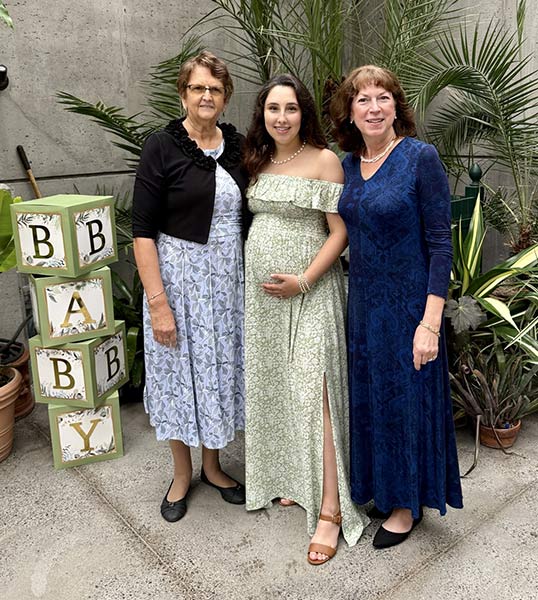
(286, 502)
(322, 548)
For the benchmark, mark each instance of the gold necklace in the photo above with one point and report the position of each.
(281, 162)
(381, 154)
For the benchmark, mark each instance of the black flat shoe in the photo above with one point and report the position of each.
(386, 539)
(375, 513)
(233, 495)
(173, 511)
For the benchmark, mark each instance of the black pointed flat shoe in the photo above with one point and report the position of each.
(173, 511)
(375, 513)
(233, 495)
(386, 539)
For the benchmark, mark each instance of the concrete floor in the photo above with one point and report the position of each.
(95, 532)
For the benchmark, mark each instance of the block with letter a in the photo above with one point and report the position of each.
(79, 374)
(86, 435)
(66, 235)
(68, 310)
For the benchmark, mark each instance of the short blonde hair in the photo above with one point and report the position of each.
(217, 67)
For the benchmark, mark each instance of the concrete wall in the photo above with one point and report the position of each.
(99, 50)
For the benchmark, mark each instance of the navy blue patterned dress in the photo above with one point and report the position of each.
(403, 450)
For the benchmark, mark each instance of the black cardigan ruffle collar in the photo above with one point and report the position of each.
(228, 159)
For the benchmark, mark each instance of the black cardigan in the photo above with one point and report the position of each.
(174, 189)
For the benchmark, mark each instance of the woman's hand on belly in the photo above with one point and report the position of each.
(286, 286)
(163, 324)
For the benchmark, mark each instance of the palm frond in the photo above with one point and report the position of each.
(410, 28)
(128, 129)
(162, 95)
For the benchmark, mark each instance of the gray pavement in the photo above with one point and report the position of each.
(95, 532)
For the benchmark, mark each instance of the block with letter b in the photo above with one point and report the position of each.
(79, 374)
(85, 435)
(66, 235)
(70, 310)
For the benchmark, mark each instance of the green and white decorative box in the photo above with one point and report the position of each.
(71, 310)
(81, 374)
(66, 235)
(85, 435)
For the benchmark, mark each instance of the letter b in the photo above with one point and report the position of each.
(95, 229)
(43, 241)
(112, 362)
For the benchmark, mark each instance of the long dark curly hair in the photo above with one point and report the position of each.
(259, 144)
(349, 138)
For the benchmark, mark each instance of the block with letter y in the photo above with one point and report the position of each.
(86, 435)
(80, 373)
(66, 235)
(70, 310)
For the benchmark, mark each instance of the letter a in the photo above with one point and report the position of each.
(82, 309)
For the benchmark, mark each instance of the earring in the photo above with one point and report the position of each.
(351, 120)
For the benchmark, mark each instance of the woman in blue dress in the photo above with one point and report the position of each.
(188, 208)
(396, 206)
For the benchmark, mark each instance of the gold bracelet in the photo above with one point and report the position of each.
(155, 295)
(430, 328)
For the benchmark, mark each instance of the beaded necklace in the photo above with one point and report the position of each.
(381, 154)
(281, 162)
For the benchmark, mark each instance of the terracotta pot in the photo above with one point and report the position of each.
(507, 436)
(8, 394)
(25, 403)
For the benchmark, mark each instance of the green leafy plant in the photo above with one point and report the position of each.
(495, 383)
(501, 302)
(489, 104)
(4, 16)
(7, 245)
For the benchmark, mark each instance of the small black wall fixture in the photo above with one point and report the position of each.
(4, 80)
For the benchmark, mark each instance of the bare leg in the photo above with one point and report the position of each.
(181, 455)
(327, 533)
(400, 521)
(211, 466)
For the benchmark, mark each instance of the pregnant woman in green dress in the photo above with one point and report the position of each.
(295, 351)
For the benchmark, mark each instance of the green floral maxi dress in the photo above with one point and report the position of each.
(290, 345)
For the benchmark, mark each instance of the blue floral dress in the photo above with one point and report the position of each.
(195, 391)
(403, 450)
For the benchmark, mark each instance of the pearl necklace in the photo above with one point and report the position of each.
(281, 162)
(381, 154)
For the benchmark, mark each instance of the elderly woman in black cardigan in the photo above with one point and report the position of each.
(188, 223)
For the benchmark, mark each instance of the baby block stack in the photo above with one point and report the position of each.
(79, 357)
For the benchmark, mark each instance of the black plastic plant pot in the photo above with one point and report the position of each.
(10, 351)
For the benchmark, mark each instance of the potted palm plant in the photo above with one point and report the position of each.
(10, 378)
(498, 387)
(13, 353)
(492, 335)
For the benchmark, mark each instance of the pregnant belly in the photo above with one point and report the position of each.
(279, 251)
